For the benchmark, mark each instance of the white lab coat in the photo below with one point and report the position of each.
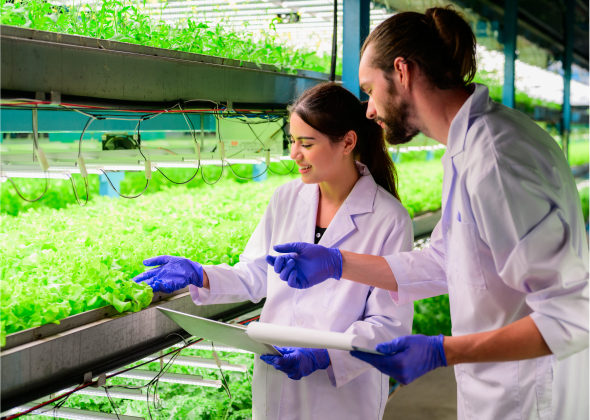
(511, 243)
(370, 221)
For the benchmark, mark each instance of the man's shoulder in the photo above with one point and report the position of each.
(389, 207)
(506, 137)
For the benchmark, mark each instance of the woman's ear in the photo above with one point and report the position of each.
(349, 142)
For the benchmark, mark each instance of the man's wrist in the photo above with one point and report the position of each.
(450, 349)
(206, 284)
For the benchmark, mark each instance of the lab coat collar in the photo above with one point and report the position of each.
(359, 201)
(476, 105)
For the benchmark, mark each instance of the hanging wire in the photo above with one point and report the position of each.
(91, 118)
(192, 130)
(33, 200)
(147, 183)
(222, 162)
(76, 190)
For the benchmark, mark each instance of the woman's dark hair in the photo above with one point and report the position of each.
(439, 41)
(334, 111)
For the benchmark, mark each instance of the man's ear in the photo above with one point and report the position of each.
(403, 73)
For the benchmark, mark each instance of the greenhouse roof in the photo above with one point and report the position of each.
(542, 23)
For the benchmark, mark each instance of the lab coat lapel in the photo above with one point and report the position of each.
(359, 201)
(307, 212)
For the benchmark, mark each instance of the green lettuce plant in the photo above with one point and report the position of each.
(125, 21)
(57, 263)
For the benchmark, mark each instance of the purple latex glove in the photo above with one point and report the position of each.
(173, 274)
(305, 265)
(407, 358)
(297, 362)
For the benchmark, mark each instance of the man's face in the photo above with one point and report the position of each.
(389, 108)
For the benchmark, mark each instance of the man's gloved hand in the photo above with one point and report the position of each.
(297, 362)
(407, 358)
(306, 265)
(173, 274)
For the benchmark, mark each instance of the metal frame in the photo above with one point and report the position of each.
(510, 31)
(39, 61)
(356, 22)
(45, 360)
(567, 61)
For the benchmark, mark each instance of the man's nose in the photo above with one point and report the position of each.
(371, 111)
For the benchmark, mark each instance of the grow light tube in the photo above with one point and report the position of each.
(416, 148)
(199, 362)
(115, 392)
(54, 175)
(69, 413)
(173, 378)
(205, 162)
(206, 345)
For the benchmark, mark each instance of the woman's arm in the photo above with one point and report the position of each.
(247, 279)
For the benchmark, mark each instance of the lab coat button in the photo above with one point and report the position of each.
(299, 322)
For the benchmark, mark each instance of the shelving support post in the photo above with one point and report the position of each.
(355, 29)
(509, 40)
(568, 56)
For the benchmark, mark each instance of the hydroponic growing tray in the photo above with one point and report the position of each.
(73, 65)
(44, 360)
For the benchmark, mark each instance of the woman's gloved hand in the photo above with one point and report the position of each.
(173, 273)
(407, 358)
(298, 362)
(305, 265)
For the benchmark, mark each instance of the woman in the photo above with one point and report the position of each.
(338, 202)
(510, 249)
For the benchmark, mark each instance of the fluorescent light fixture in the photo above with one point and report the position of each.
(19, 174)
(206, 345)
(199, 362)
(69, 413)
(186, 164)
(115, 392)
(583, 184)
(416, 148)
(174, 378)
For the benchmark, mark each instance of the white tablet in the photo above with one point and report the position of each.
(219, 332)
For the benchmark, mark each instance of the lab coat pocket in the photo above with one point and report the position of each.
(544, 386)
(464, 256)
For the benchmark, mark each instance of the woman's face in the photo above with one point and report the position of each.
(317, 158)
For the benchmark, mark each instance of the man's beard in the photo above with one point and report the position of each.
(398, 129)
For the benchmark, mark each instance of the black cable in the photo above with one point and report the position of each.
(90, 119)
(192, 130)
(112, 402)
(223, 379)
(76, 190)
(26, 199)
(147, 183)
(222, 160)
(334, 43)
(285, 165)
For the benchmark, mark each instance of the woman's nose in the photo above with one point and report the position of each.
(295, 152)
